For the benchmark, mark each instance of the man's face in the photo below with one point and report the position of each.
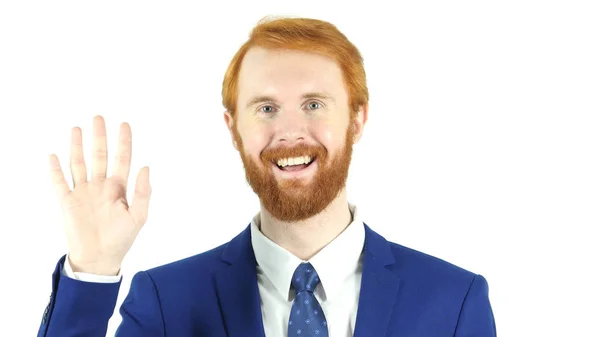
(293, 130)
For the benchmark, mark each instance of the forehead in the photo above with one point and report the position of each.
(288, 74)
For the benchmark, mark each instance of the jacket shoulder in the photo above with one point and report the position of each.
(197, 266)
(429, 269)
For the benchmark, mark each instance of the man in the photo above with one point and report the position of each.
(296, 101)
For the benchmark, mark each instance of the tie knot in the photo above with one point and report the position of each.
(305, 278)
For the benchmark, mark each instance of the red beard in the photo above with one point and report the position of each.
(295, 200)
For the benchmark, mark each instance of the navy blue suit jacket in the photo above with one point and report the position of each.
(403, 293)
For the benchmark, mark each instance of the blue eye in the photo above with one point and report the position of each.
(314, 105)
(267, 109)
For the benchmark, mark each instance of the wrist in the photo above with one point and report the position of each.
(95, 268)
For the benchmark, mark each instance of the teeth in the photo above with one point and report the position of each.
(294, 161)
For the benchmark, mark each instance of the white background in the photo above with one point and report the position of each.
(482, 146)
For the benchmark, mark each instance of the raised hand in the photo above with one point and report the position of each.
(99, 223)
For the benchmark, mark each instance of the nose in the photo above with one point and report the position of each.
(291, 127)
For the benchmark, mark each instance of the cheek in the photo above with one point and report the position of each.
(330, 136)
(255, 141)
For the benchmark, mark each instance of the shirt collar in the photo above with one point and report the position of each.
(334, 263)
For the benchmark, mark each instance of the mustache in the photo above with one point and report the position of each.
(274, 154)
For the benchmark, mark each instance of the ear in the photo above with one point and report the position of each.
(359, 120)
(230, 122)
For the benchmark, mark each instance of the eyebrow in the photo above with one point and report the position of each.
(262, 99)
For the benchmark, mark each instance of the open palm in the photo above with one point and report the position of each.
(99, 223)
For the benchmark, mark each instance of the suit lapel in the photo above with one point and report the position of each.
(379, 288)
(237, 289)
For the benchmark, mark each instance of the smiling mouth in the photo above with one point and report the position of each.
(294, 163)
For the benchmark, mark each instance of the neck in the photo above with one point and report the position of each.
(306, 238)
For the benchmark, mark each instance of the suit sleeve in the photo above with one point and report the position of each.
(80, 308)
(476, 317)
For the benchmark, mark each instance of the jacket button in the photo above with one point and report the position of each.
(45, 316)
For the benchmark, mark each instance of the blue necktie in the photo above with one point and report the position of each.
(306, 317)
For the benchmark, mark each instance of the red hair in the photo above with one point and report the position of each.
(308, 35)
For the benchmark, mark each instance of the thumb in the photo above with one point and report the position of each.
(141, 197)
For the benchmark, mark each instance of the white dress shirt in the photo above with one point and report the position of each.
(339, 265)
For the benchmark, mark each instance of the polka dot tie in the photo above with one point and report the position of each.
(306, 317)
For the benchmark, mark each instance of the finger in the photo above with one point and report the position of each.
(61, 187)
(123, 156)
(78, 168)
(100, 153)
(141, 197)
